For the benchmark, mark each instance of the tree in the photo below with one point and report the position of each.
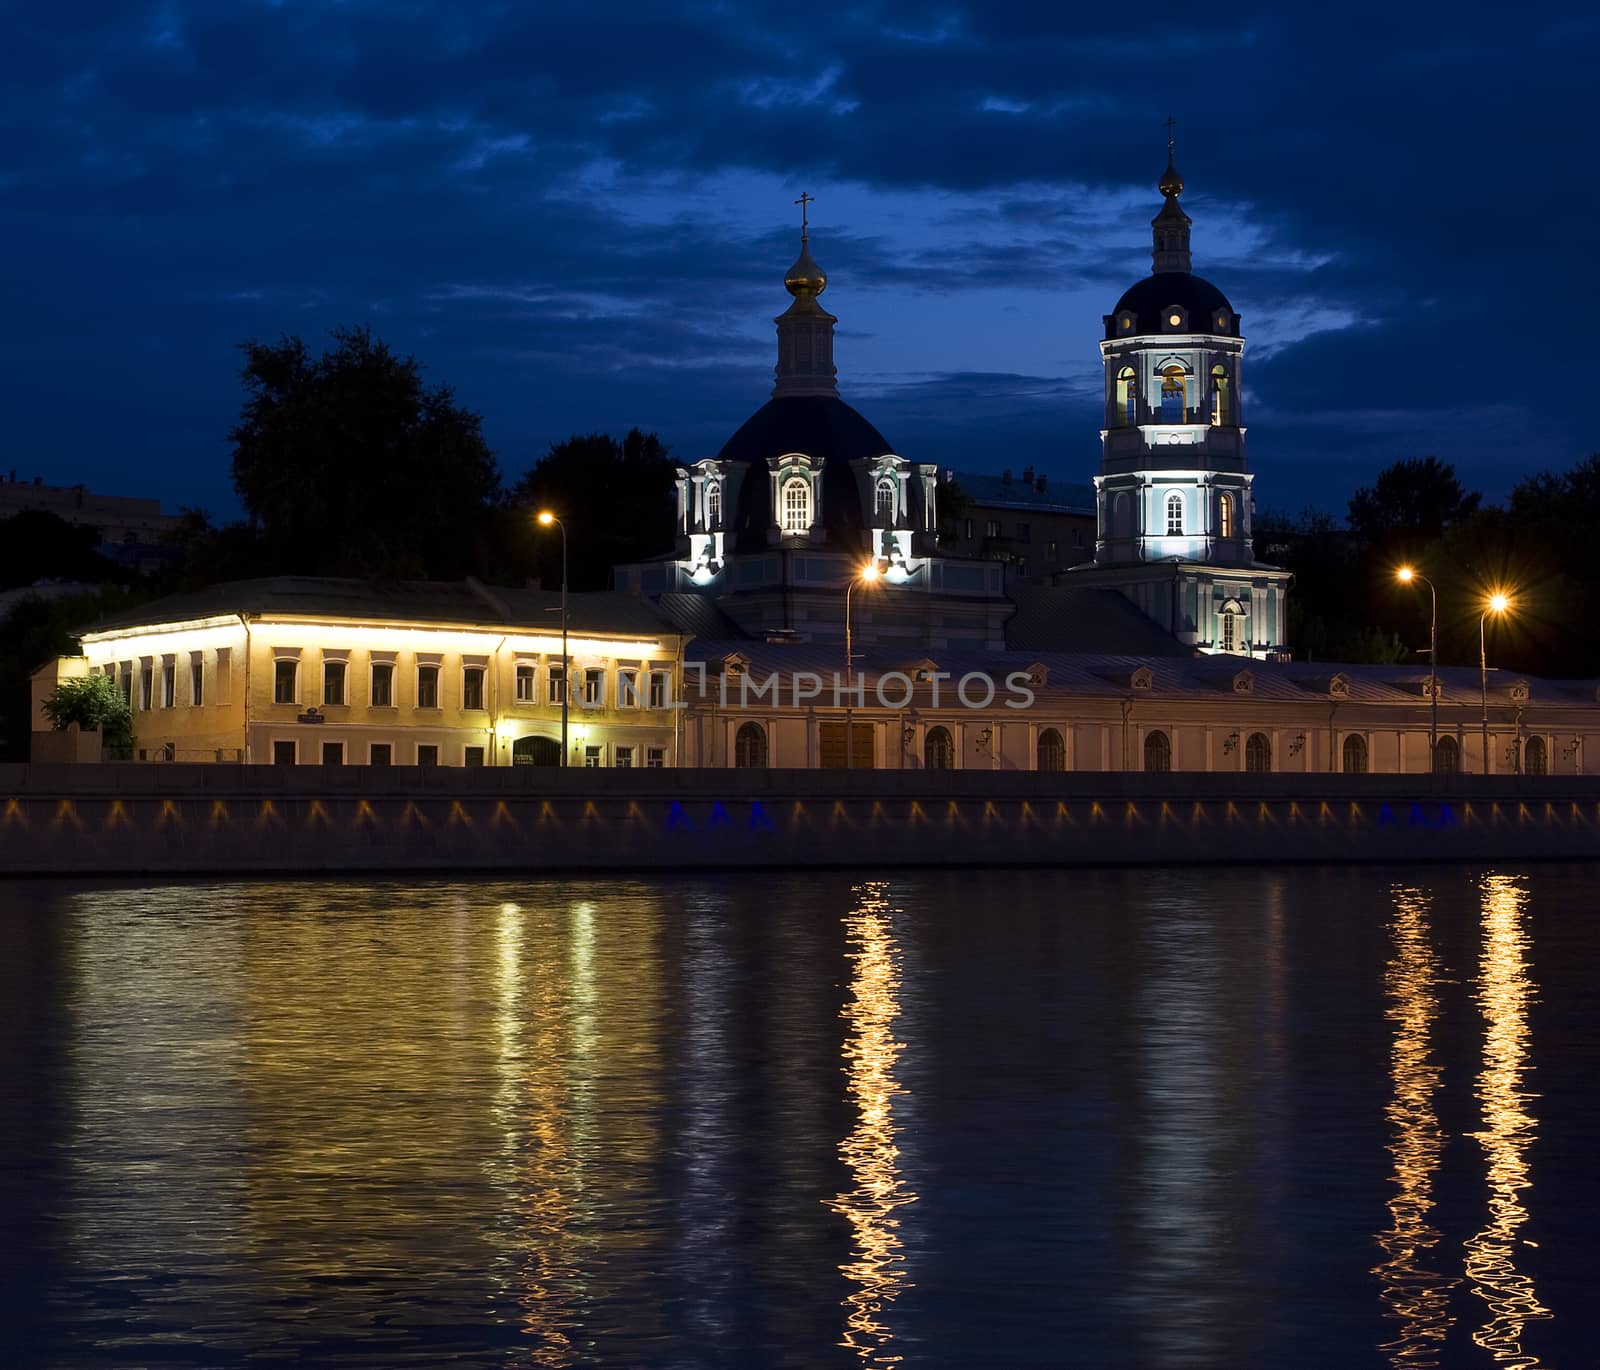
(94, 703)
(616, 499)
(349, 465)
(1412, 502)
(38, 545)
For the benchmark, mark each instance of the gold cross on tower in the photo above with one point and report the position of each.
(1171, 124)
(805, 201)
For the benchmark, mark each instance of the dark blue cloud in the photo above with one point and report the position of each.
(580, 218)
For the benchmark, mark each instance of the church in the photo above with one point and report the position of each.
(817, 611)
(807, 492)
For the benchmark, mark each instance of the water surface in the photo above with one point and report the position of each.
(1269, 1118)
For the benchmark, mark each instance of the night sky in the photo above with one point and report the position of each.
(580, 218)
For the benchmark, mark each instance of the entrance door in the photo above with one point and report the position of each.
(536, 751)
(832, 739)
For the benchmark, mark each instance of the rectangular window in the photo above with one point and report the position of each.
(333, 682)
(427, 754)
(169, 682)
(224, 674)
(525, 684)
(1052, 551)
(966, 529)
(594, 687)
(627, 689)
(380, 754)
(427, 688)
(472, 756)
(991, 528)
(127, 683)
(197, 679)
(658, 689)
(655, 758)
(333, 753)
(591, 758)
(624, 757)
(558, 684)
(147, 685)
(283, 753)
(472, 688)
(382, 685)
(283, 681)
(1023, 533)
(1077, 537)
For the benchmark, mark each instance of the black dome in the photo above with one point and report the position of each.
(1146, 300)
(821, 426)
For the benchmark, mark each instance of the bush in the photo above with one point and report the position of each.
(94, 703)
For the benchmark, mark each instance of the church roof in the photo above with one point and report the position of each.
(821, 426)
(1074, 618)
(1146, 300)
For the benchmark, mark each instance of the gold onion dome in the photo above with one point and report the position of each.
(805, 278)
(1171, 183)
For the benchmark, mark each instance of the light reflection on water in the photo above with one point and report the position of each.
(1415, 1293)
(877, 1263)
(1504, 992)
(797, 1121)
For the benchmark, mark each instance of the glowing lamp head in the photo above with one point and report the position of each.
(1499, 603)
(546, 518)
(1405, 575)
(869, 572)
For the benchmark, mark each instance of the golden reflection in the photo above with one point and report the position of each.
(877, 1267)
(1415, 1295)
(1503, 994)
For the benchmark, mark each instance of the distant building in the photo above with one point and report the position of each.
(132, 530)
(1037, 528)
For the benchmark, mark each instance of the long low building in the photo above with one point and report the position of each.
(787, 706)
(310, 670)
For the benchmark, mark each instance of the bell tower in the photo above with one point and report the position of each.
(1173, 495)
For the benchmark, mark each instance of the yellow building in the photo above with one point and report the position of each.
(309, 670)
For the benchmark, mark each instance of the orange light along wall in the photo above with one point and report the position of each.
(179, 819)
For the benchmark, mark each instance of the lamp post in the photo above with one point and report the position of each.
(1497, 604)
(546, 518)
(867, 574)
(1405, 575)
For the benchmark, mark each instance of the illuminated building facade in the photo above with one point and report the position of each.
(1173, 492)
(775, 525)
(302, 670)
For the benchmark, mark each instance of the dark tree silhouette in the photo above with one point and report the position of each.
(616, 499)
(1412, 502)
(348, 464)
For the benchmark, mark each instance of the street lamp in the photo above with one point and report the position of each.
(866, 575)
(546, 518)
(1497, 604)
(1405, 575)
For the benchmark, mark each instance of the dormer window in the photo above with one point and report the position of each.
(1125, 324)
(1174, 318)
(1222, 322)
(885, 502)
(796, 505)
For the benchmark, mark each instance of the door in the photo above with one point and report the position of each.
(536, 751)
(832, 735)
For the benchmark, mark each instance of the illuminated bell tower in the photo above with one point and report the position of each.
(1173, 493)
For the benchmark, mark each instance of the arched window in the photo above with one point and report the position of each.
(939, 751)
(1258, 753)
(1447, 756)
(714, 504)
(1355, 755)
(1174, 515)
(1157, 751)
(1224, 516)
(750, 747)
(536, 751)
(1120, 518)
(1536, 757)
(885, 504)
(1172, 405)
(1126, 412)
(1221, 398)
(1052, 751)
(1228, 634)
(797, 505)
